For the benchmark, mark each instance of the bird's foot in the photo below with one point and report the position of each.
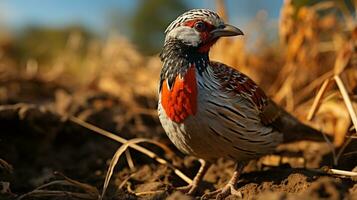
(192, 187)
(188, 189)
(223, 192)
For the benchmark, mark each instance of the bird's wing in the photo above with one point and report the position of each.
(238, 84)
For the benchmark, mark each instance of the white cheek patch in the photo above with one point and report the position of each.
(185, 34)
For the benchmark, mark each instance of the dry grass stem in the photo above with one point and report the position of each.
(314, 84)
(122, 184)
(57, 194)
(342, 172)
(115, 159)
(134, 146)
(347, 99)
(337, 156)
(350, 153)
(129, 159)
(318, 99)
(86, 187)
(329, 143)
(348, 103)
(91, 192)
(351, 111)
(120, 139)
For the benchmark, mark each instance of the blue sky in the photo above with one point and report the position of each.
(94, 14)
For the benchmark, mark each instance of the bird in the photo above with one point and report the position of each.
(210, 110)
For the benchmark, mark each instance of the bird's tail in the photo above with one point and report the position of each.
(294, 130)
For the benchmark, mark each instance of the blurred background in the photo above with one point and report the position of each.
(143, 22)
(98, 61)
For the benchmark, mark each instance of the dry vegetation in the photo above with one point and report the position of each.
(45, 107)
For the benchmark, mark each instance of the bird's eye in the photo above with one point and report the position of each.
(200, 26)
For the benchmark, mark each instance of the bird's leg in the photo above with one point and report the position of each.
(191, 188)
(229, 188)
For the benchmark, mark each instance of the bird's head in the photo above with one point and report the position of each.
(199, 28)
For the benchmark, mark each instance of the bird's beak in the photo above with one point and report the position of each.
(225, 31)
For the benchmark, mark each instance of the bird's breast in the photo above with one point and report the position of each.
(180, 101)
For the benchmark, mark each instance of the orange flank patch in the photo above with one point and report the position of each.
(181, 100)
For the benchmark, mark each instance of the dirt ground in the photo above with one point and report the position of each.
(37, 139)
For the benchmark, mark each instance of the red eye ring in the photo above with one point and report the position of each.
(200, 26)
